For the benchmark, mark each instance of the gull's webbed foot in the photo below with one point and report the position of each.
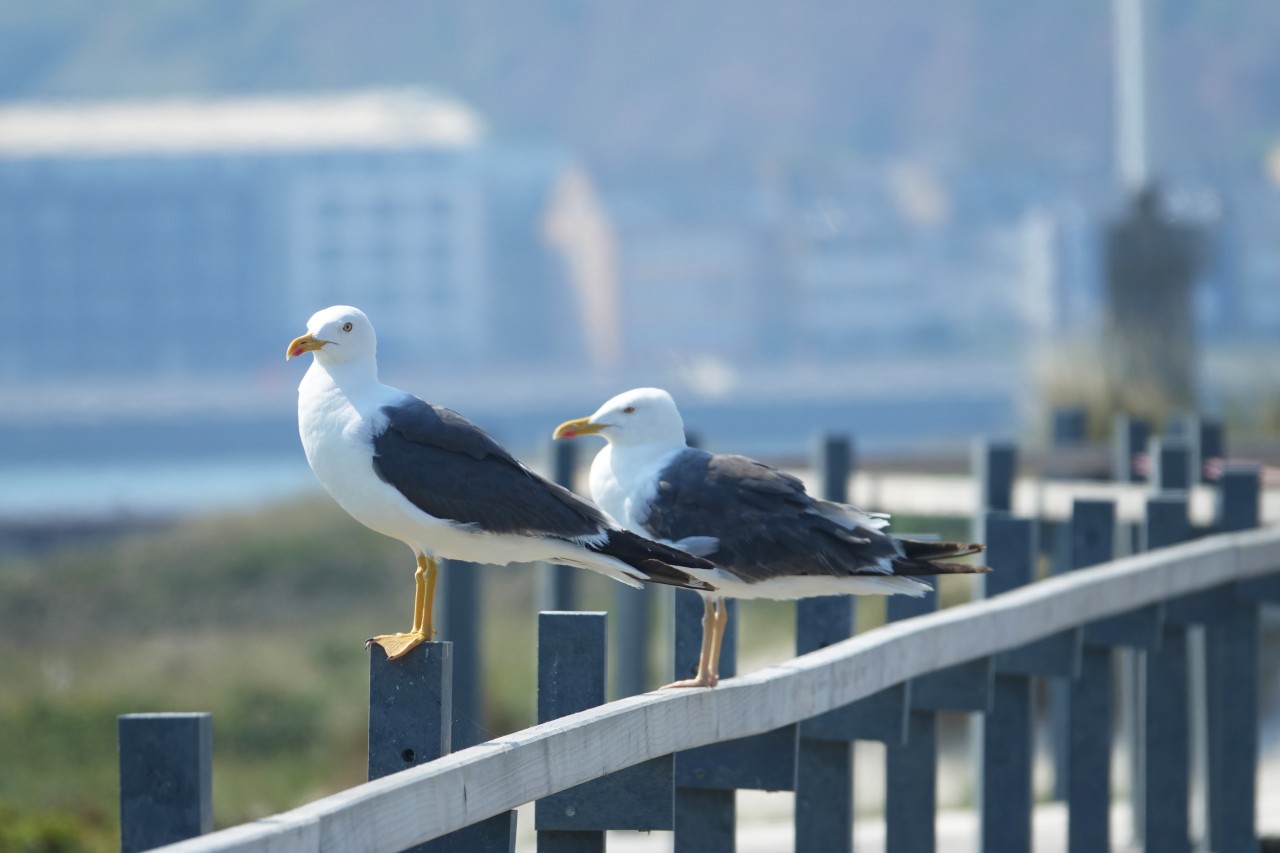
(398, 645)
(700, 681)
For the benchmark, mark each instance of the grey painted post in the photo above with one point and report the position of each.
(560, 583)
(1089, 706)
(824, 768)
(1186, 429)
(1170, 464)
(1163, 808)
(707, 777)
(1203, 439)
(460, 625)
(1239, 505)
(911, 767)
(1231, 661)
(572, 651)
(1070, 426)
(411, 722)
(571, 677)
(1129, 438)
(1006, 794)
(705, 817)
(410, 707)
(166, 778)
(1170, 472)
(633, 609)
(833, 459)
(1212, 446)
(995, 466)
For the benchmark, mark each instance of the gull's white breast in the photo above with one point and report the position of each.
(624, 481)
(337, 431)
(337, 436)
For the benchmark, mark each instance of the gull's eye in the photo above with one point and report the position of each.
(628, 410)
(346, 327)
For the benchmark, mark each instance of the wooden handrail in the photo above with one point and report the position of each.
(407, 808)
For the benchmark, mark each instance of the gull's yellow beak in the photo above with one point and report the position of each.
(306, 343)
(573, 429)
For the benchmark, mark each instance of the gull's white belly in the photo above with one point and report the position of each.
(338, 441)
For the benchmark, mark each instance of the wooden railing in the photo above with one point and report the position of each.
(671, 760)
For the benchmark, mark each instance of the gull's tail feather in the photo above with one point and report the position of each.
(915, 549)
(660, 563)
(926, 558)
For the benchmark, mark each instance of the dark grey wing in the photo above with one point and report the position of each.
(765, 522)
(451, 469)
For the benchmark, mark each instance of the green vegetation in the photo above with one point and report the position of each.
(259, 619)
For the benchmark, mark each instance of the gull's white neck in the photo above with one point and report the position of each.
(624, 475)
(355, 380)
(630, 460)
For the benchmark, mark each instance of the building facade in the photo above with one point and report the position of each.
(193, 235)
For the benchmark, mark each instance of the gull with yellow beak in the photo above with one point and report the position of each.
(767, 536)
(427, 476)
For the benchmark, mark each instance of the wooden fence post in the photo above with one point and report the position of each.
(166, 778)
(1239, 505)
(1170, 474)
(1203, 439)
(824, 768)
(410, 707)
(1089, 703)
(1163, 806)
(1006, 797)
(1070, 426)
(560, 583)
(1170, 464)
(411, 722)
(1128, 438)
(572, 654)
(706, 777)
(1212, 446)
(632, 612)
(911, 766)
(995, 467)
(460, 625)
(1231, 664)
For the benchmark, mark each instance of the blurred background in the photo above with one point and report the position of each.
(916, 222)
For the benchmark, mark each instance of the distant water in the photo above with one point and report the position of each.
(171, 466)
(150, 488)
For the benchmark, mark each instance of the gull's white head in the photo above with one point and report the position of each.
(336, 335)
(642, 416)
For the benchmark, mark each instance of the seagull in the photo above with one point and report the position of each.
(427, 476)
(767, 537)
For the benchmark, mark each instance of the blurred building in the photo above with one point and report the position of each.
(1153, 262)
(842, 265)
(190, 235)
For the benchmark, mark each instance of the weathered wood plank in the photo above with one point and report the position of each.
(397, 811)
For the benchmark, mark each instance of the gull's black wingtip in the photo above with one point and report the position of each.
(661, 563)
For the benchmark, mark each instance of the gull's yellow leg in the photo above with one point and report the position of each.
(722, 619)
(419, 595)
(429, 594)
(424, 590)
(704, 677)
